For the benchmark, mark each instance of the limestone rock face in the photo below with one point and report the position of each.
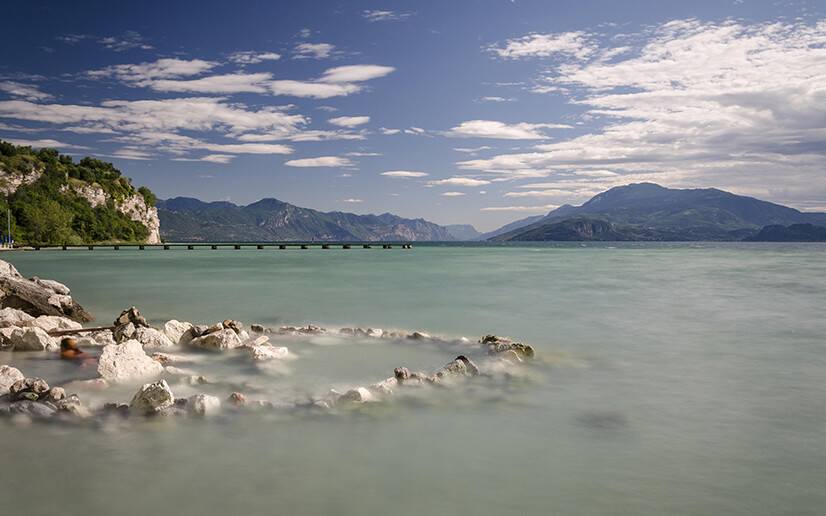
(8, 376)
(217, 341)
(152, 398)
(203, 405)
(30, 339)
(136, 209)
(152, 338)
(126, 361)
(37, 297)
(175, 330)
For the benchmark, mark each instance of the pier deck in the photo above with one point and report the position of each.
(233, 245)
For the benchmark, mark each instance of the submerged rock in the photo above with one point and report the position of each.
(355, 397)
(8, 376)
(28, 408)
(203, 405)
(303, 330)
(152, 398)
(497, 345)
(32, 389)
(237, 399)
(73, 406)
(268, 352)
(126, 361)
(461, 366)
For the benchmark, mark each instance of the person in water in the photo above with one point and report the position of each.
(70, 351)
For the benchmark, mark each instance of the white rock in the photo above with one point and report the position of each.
(261, 340)
(217, 341)
(375, 332)
(7, 269)
(31, 339)
(13, 317)
(54, 286)
(126, 361)
(152, 397)
(49, 323)
(175, 329)
(203, 405)
(385, 386)
(9, 375)
(356, 396)
(243, 335)
(268, 352)
(152, 338)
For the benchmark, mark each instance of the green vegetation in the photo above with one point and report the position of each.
(47, 211)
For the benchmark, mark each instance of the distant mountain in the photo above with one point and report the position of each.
(793, 233)
(464, 232)
(270, 220)
(701, 214)
(511, 227)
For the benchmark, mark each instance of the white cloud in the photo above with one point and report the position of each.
(460, 181)
(312, 89)
(500, 130)
(529, 209)
(385, 130)
(39, 144)
(353, 200)
(496, 99)
(732, 105)
(379, 16)
(452, 194)
(127, 41)
(250, 57)
(363, 154)
(144, 73)
(313, 51)
(349, 121)
(26, 91)
(470, 151)
(403, 174)
(568, 44)
(218, 158)
(324, 161)
(355, 73)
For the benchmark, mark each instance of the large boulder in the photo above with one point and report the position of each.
(152, 338)
(49, 323)
(29, 339)
(8, 376)
(152, 398)
(175, 331)
(13, 317)
(37, 297)
(131, 315)
(126, 361)
(217, 341)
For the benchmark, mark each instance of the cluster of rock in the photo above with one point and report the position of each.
(37, 297)
(41, 311)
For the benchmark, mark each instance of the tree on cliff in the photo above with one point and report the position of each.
(41, 187)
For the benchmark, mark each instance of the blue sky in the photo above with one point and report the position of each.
(467, 111)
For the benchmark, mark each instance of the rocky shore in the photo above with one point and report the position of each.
(41, 317)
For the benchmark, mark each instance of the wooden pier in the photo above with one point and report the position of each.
(256, 245)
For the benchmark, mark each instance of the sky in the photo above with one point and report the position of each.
(459, 112)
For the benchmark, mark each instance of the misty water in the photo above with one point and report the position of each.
(680, 379)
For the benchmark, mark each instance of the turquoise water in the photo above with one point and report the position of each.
(672, 379)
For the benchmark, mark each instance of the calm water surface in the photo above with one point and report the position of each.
(672, 379)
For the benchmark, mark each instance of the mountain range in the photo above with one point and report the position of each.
(184, 219)
(646, 211)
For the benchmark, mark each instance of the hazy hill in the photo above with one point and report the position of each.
(270, 220)
(464, 232)
(635, 211)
